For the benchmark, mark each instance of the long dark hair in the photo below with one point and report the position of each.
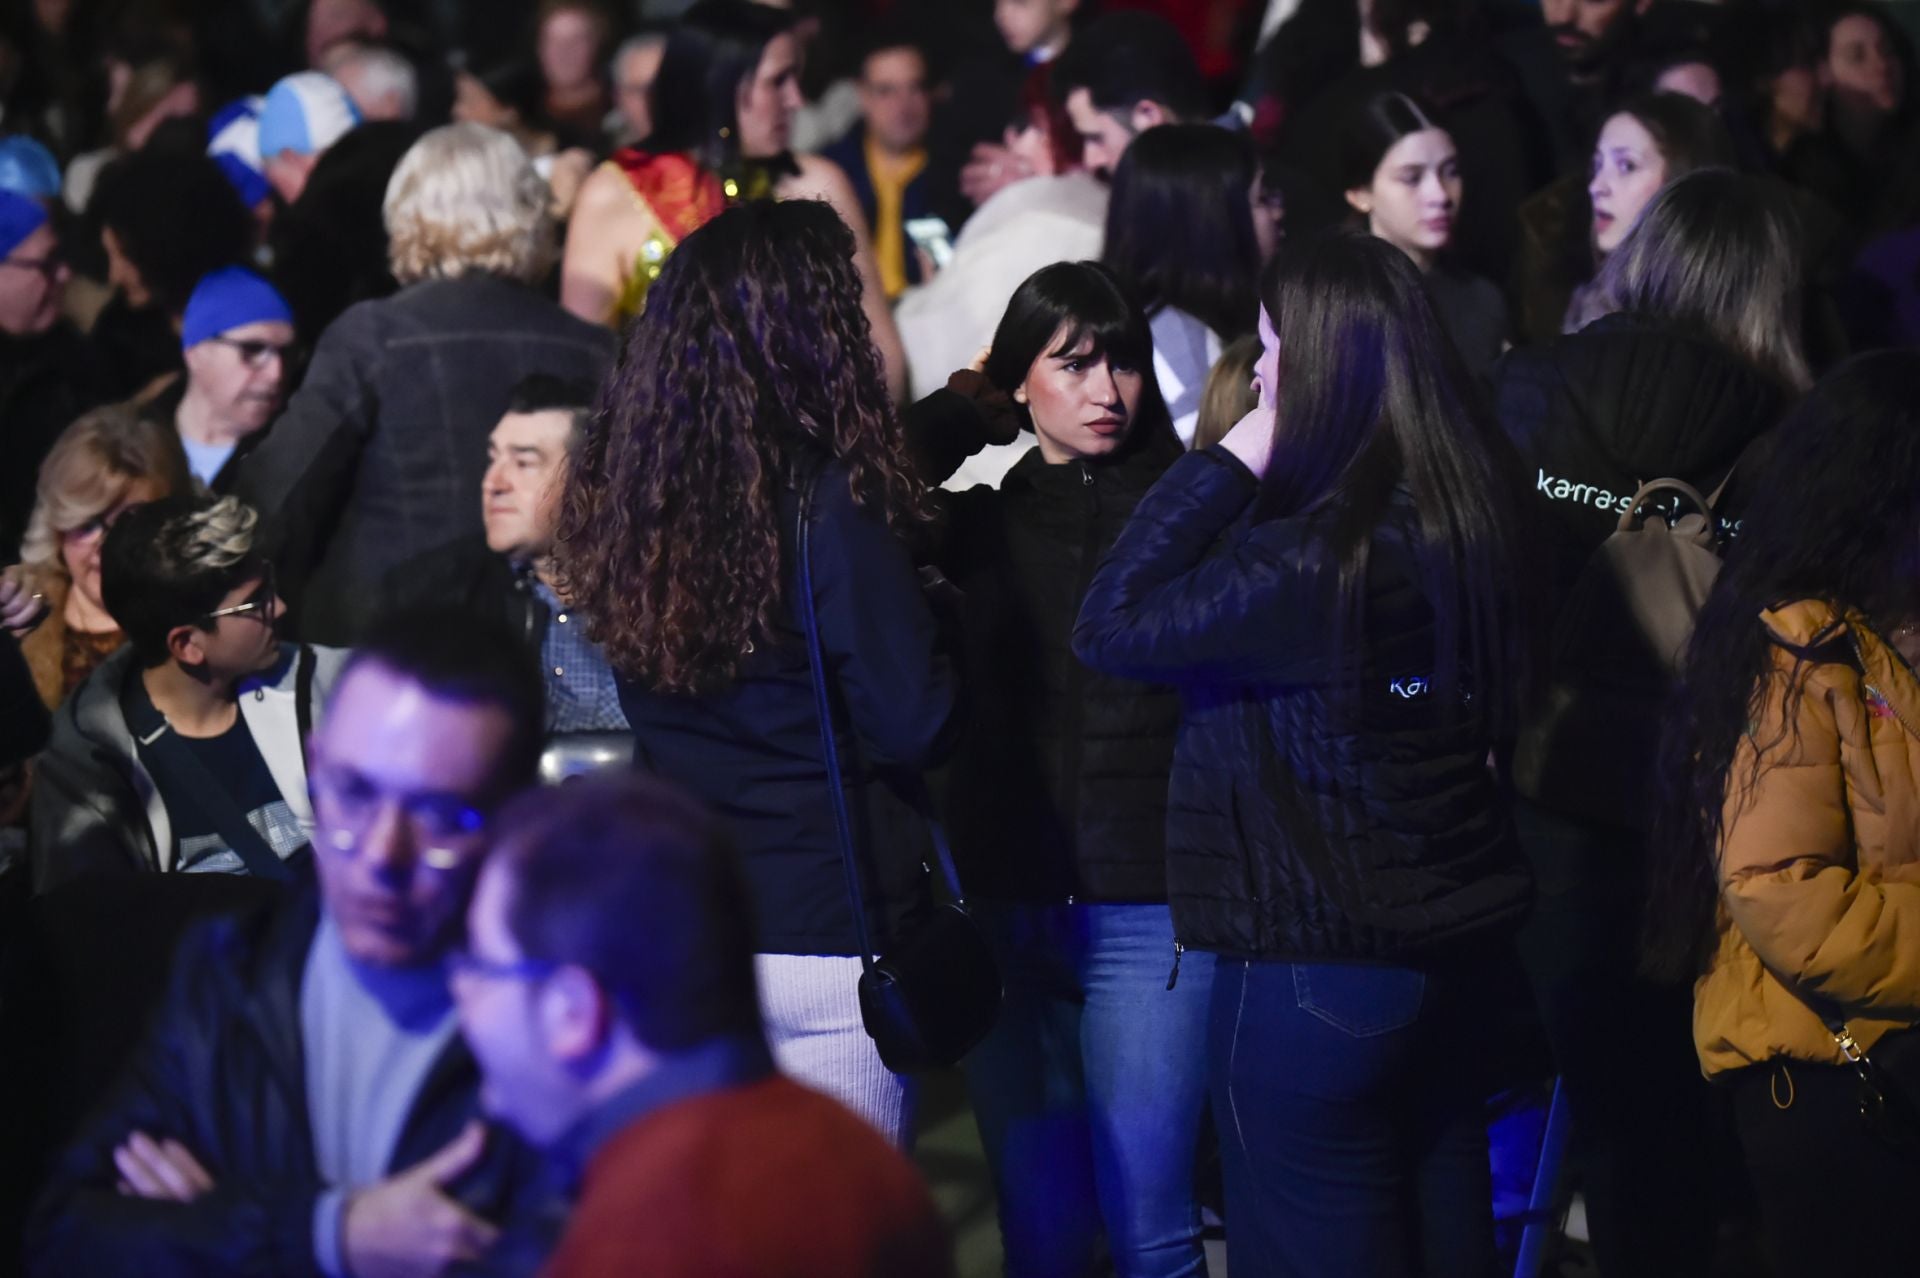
(1372, 398)
(1371, 130)
(1834, 516)
(752, 362)
(1180, 225)
(1058, 307)
(714, 49)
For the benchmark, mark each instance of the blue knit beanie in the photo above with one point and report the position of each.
(27, 168)
(20, 216)
(226, 299)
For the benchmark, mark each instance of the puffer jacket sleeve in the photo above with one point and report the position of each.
(1167, 606)
(1789, 865)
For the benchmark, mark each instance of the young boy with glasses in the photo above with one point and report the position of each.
(183, 751)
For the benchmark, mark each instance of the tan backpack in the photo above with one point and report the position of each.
(1586, 749)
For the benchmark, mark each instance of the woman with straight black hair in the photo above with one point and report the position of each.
(1090, 1089)
(723, 106)
(1401, 175)
(1334, 590)
(1180, 236)
(1786, 864)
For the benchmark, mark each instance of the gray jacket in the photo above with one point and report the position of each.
(95, 805)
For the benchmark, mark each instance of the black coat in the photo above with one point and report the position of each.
(752, 750)
(1309, 818)
(45, 382)
(222, 1071)
(1058, 786)
(470, 577)
(379, 456)
(1598, 413)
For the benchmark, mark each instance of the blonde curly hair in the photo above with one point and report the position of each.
(465, 198)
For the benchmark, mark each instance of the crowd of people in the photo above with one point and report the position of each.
(1357, 562)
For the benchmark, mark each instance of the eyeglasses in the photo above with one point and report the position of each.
(260, 601)
(48, 267)
(254, 353)
(463, 962)
(444, 827)
(100, 523)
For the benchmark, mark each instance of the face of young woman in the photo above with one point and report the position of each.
(1628, 170)
(1861, 67)
(1082, 405)
(1414, 195)
(768, 100)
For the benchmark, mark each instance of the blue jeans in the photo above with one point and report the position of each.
(1091, 1089)
(1352, 1138)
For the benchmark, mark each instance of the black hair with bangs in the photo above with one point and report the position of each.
(1067, 305)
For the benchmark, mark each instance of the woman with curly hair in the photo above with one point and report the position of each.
(1786, 864)
(750, 373)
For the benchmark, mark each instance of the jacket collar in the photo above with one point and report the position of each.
(712, 1066)
(267, 702)
(1136, 464)
(1807, 624)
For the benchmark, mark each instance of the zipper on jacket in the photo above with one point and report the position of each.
(1892, 709)
(1073, 695)
(1174, 975)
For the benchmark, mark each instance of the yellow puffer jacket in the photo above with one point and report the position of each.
(1820, 855)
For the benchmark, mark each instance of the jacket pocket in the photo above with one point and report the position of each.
(1360, 1000)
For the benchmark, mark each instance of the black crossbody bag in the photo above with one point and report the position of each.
(936, 993)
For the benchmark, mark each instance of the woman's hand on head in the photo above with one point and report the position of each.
(1251, 440)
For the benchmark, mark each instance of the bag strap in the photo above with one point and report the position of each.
(303, 696)
(176, 767)
(829, 748)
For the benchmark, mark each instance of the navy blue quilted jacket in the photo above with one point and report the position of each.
(1310, 817)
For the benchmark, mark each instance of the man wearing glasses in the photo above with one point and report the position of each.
(607, 989)
(182, 752)
(304, 1103)
(49, 373)
(237, 338)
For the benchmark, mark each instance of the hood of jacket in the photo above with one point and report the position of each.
(1660, 402)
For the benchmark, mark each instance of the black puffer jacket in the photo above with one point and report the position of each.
(1307, 820)
(1058, 788)
(1598, 413)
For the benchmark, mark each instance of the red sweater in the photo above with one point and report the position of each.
(769, 1180)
